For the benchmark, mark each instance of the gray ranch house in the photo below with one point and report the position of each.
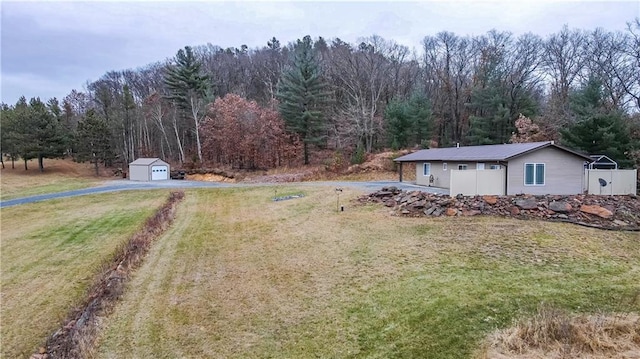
(537, 168)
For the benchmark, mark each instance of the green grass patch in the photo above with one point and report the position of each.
(240, 276)
(50, 253)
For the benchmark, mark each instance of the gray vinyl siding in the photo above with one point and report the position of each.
(139, 173)
(564, 173)
(440, 177)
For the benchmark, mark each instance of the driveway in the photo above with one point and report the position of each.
(126, 185)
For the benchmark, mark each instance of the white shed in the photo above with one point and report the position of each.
(148, 169)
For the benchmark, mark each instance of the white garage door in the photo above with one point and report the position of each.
(159, 173)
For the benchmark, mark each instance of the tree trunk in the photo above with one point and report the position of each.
(95, 165)
(41, 163)
(25, 165)
(306, 152)
(175, 129)
(194, 112)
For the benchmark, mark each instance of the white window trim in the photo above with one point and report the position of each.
(424, 169)
(479, 165)
(466, 167)
(444, 166)
(535, 166)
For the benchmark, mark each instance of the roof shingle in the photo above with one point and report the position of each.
(479, 153)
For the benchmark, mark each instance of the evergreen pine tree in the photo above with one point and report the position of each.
(408, 122)
(40, 133)
(92, 140)
(189, 89)
(597, 129)
(302, 96)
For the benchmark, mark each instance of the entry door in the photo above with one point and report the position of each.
(159, 173)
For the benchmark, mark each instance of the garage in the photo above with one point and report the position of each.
(149, 169)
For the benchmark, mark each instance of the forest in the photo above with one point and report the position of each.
(284, 105)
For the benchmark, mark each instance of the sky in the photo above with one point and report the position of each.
(49, 48)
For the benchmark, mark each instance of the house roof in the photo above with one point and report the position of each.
(482, 153)
(145, 161)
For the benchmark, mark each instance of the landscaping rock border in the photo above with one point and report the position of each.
(605, 212)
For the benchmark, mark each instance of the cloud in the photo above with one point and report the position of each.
(31, 85)
(70, 42)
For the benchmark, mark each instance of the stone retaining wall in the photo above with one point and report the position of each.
(607, 212)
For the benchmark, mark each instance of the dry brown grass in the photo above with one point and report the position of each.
(554, 334)
(59, 175)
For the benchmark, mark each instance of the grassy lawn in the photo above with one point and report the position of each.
(59, 176)
(240, 276)
(50, 253)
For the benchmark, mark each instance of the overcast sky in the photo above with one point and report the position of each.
(50, 48)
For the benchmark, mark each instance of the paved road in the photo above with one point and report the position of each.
(126, 185)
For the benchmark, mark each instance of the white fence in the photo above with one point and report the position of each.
(477, 182)
(611, 182)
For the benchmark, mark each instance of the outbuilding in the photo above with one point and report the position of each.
(149, 169)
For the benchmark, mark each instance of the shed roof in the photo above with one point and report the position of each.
(145, 161)
(482, 153)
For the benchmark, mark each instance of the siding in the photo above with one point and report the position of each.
(142, 172)
(139, 173)
(442, 178)
(564, 173)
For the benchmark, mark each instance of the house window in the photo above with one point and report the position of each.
(462, 167)
(444, 166)
(494, 167)
(534, 174)
(480, 166)
(426, 169)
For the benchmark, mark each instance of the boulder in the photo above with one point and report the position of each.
(560, 207)
(430, 210)
(451, 212)
(490, 199)
(596, 210)
(527, 203)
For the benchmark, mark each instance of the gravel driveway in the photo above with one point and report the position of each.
(126, 185)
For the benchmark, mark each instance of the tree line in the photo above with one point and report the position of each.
(279, 105)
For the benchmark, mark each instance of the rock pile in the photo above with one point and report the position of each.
(607, 212)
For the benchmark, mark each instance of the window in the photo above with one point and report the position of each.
(480, 165)
(426, 169)
(534, 174)
(495, 167)
(444, 166)
(462, 167)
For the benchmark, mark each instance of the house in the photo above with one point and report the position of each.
(148, 169)
(533, 168)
